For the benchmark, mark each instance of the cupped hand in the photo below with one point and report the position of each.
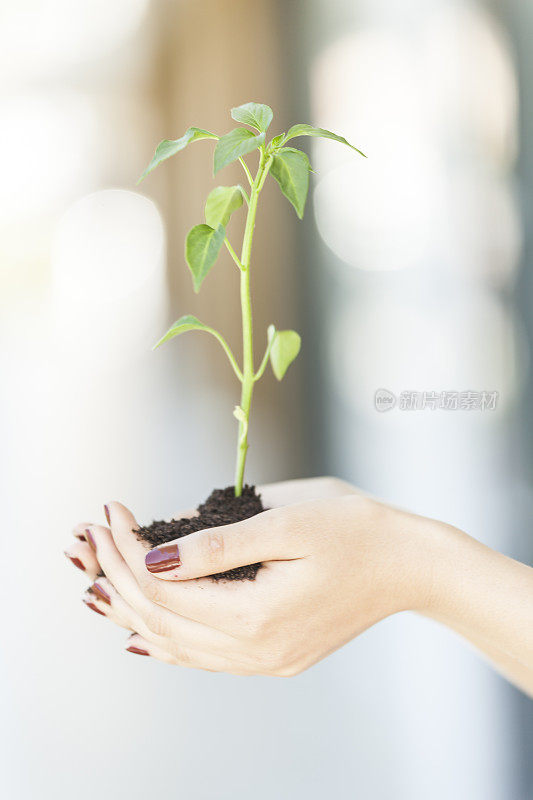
(335, 562)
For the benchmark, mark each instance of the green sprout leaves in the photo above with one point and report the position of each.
(303, 129)
(191, 323)
(257, 115)
(235, 144)
(284, 347)
(203, 242)
(290, 168)
(221, 204)
(202, 247)
(242, 419)
(182, 325)
(169, 147)
(277, 141)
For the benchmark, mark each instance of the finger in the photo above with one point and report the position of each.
(142, 647)
(123, 526)
(186, 658)
(117, 570)
(156, 619)
(123, 529)
(264, 537)
(192, 602)
(79, 530)
(103, 598)
(222, 606)
(81, 555)
(103, 595)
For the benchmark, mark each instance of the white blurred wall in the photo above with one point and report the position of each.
(414, 253)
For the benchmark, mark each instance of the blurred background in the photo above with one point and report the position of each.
(412, 272)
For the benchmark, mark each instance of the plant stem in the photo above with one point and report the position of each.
(232, 253)
(227, 349)
(264, 362)
(247, 331)
(248, 173)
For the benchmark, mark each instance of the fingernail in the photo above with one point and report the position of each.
(106, 512)
(80, 536)
(137, 650)
(101, 593)
(163, 558)
(76, 561)
(93, 607)
(90, 539)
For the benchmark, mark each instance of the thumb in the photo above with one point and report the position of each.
(260, 538)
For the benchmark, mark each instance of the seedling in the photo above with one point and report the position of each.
(290, 168)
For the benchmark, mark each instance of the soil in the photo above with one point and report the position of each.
(220, 508)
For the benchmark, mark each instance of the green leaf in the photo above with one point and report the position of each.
(285, 347)
(277, 140)
(221, 204)
(255, 114)
(190, 323)
(239, 414)
(202, 247)
(290, 168)
(169, 147)
(235, 144)
(308, 130)
(182, 325)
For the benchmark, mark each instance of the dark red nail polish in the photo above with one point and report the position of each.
(132, 649)
(100, 593)
(106, 512)
(80, 536)
(90, 539)
(76, 561)
(163, 558)
(93, 607)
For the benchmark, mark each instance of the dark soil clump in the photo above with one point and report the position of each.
(220, 508)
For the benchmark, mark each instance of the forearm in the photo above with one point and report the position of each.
(487, 598)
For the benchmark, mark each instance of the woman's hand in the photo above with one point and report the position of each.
(335, 562)
(333, 566)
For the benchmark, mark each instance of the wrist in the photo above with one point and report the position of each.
(403, 554)
(448, 551)
(427, 554)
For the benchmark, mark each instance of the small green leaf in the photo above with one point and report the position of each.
(221, 204)
(290, 168)
(276, 141)
(190, 323)
(235, 144)
(255, 114)
(182, 325)
(239, 414)
(309, 130)
(202, 247)
(285, 347)
(169, 147)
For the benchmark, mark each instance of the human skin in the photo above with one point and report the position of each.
(335, 561)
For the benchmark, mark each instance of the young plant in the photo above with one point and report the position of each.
(290, 168)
